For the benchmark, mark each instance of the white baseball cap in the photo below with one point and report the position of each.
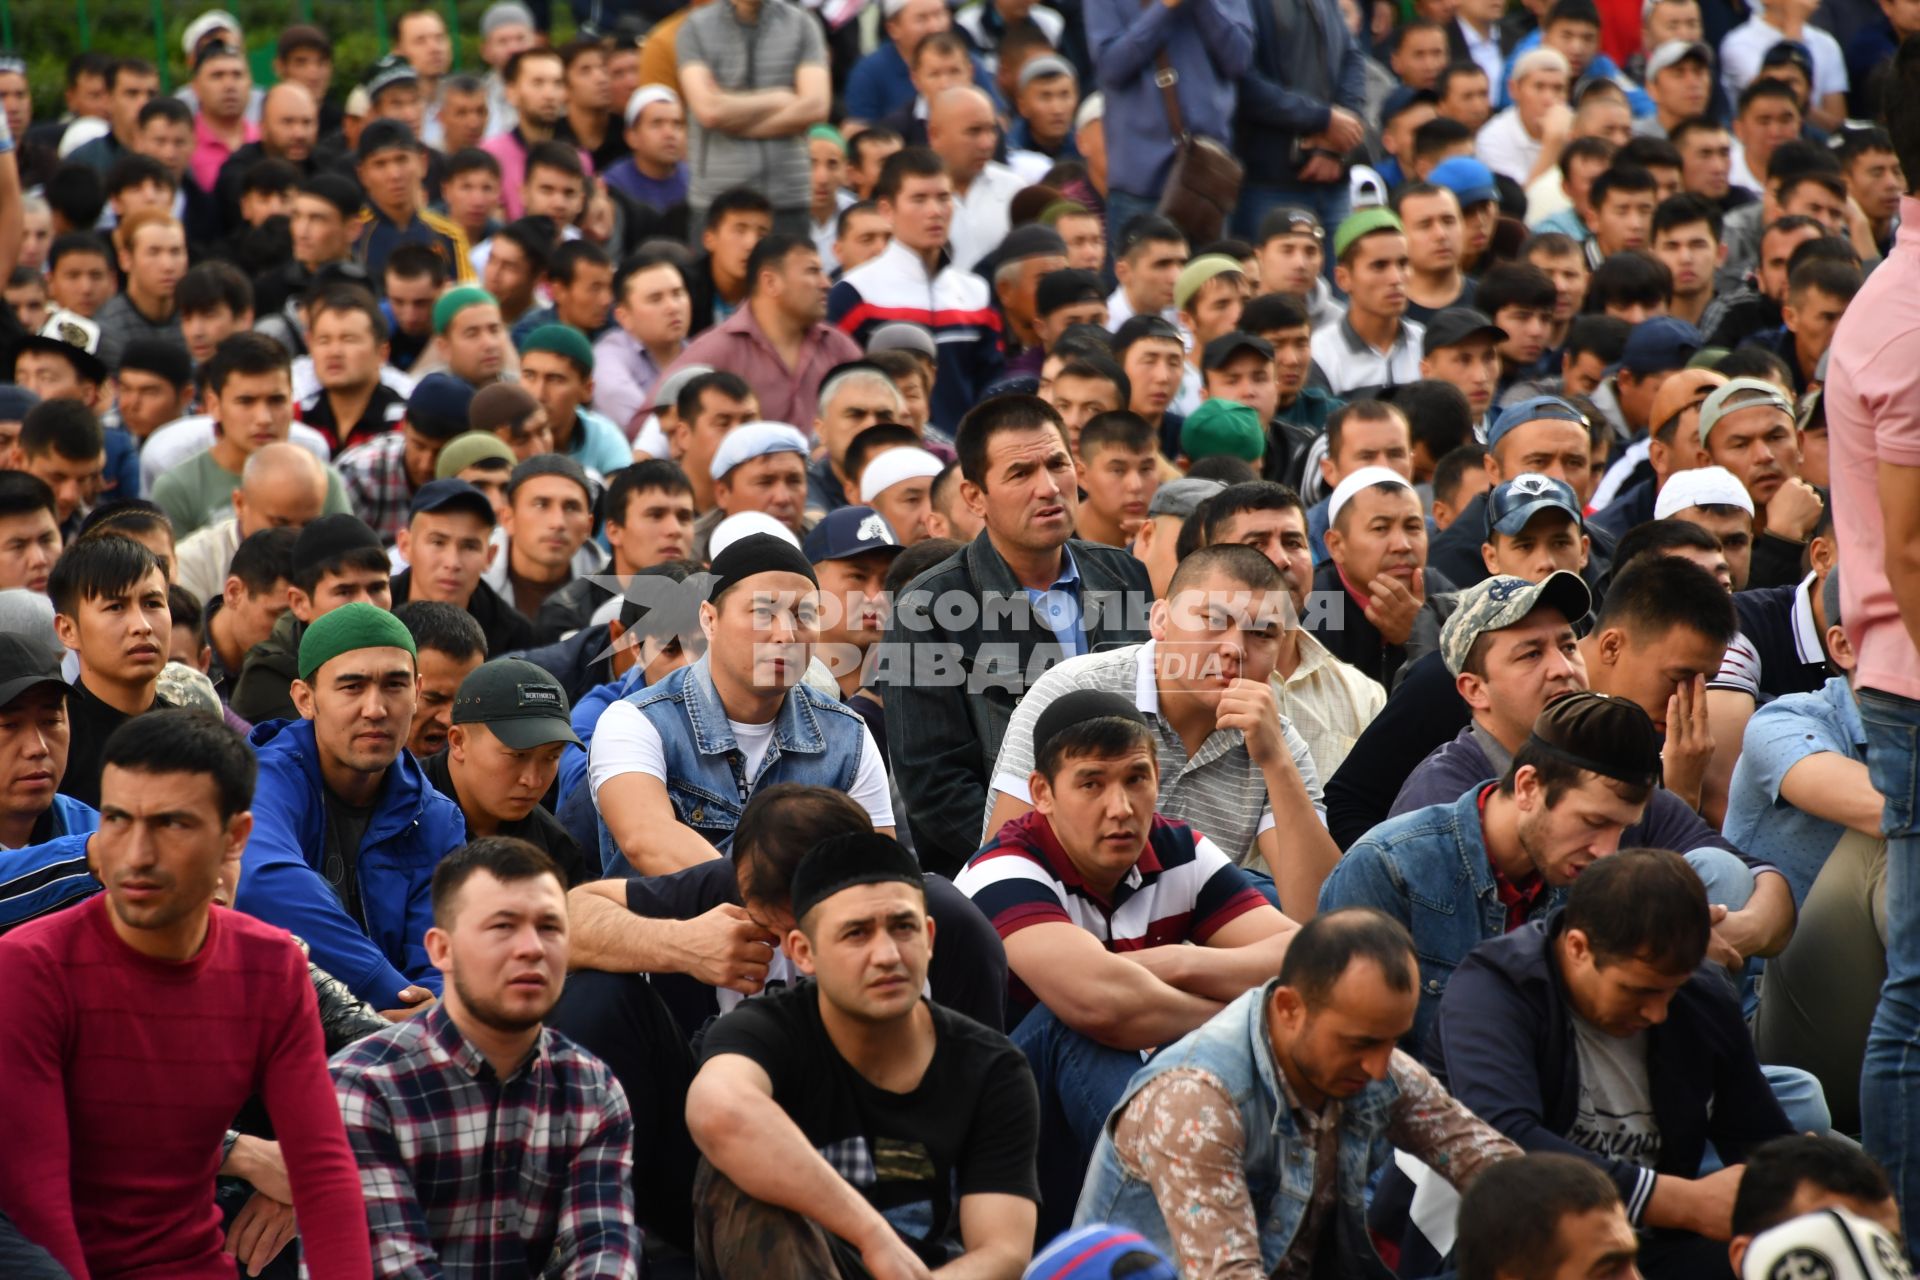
(1701, 487)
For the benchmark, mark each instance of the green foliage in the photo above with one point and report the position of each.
(48, 32)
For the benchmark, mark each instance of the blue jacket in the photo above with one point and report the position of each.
(412, 828)
(1297, 74)
(1209, 44)
(586, 714)
(45, 877)
(880, 84)
(1505, 1047)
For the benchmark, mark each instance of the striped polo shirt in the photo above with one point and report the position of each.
(1182, 889)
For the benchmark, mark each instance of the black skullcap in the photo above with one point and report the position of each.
(549, 464)
(330, 537)
(757, 553)
(1081, 704)
(1066, 288)
(161, 357)
(845, 861)
(1602, 734)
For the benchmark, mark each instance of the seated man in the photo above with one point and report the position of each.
(281, 486)
(336, 560)
(1597, 1033)
(499, 940)
(1544, 1215)
(1223, 1147)
(1535, 528)
(348, 829)
(1790, 1177)
(1095, 896)
(1376, 574)
(1543, 436)
(915, 1153)
(244, 611)
(34, 738)
(503, 753)
(759, 466)
(673, 764)
(545, 540)
(1228, 762)
(451, 646)
(447, 546)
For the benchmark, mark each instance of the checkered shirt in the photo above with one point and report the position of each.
(374, 476)
(474, 1175)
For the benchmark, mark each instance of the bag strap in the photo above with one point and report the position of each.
(1166, 77)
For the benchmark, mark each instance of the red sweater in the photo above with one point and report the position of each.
(119, 1074)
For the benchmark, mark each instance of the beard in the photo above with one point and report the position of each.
(489, 1013)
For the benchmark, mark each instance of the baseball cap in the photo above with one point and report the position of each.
(1536, 409)
(205, 25)
(1065, 288)
(1364, 478)
(1459, 324)
(1657, 345)
(1291, 220)
(1685, 389)
(1673, 52)
(1470, 180)
(1520, 499)
(188, 688)
(1364, 223)
(23, 665)
(1701, 487)
(471, 447)
(1228, 345)
(1223, 427)
(388, 72)
(1738, 394)
(520, 703)
(1402, 99)
(1496, 603)
(1830, 1244)
(1182, 497)
(847, 532)
(451, 494)
(1789, 53)
(440, 405)
(1198, 272)
(1101, 1252)
(1600, 733)
(755, 440)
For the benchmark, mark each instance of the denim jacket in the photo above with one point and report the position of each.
(1428, 869)
(1235, 1048)
(816, 741)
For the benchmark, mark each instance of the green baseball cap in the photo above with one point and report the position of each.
(1223, 426)
(521, 703)
(1500, 602)
(1364, 223)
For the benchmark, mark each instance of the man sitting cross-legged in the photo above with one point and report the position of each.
(850, 1126)
(557, 1124)
(1095, 896)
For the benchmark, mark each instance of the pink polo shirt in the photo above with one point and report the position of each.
(209, 152)
(1873, 416)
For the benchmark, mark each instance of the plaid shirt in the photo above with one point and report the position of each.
(374, 475)
(468, 1174)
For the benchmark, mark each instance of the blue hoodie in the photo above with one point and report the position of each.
(412, 828)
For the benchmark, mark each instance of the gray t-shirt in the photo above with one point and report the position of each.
(1616, 1105)
(743, 57)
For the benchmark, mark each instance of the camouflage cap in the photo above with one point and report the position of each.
(183, 686)
(1500, 602)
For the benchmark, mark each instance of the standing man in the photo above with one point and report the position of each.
(224, 87)
(556, 1117)
(755, 77)
(963, 131)
(1873, 373)
(1301, 102)
(537, 89)
(147, 997)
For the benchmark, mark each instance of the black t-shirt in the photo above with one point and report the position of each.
(90, 723)
(970, 1128)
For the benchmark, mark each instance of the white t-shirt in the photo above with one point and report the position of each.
(1504, 147)
(1744, 47)
(625, 741)
(1616, 1117)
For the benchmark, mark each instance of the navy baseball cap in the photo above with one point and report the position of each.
(1537, 409)
(849, 532)
(1403, 99)
(451, 494)
(1659, 345)
(1520, 499)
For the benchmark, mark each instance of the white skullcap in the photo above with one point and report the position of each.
(206, 24)
(891, 466)
(645, 96)
(755, 440)
(1701, 487)
(81, 132)
(892, 8)
(1364, 478)
(1831, 1244)
(1092, 107)
(1539, 58)
(740, 525)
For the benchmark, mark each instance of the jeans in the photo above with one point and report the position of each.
(1890, 1079)
(1329, 201)
(1122, 208)
(1079, 1081)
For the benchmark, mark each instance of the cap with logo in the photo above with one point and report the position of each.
(70, 334)
(451, 494)
(1660, 344)
(24, 665)
(1499, 602)
(1512, 504)
(1291, 220)
(1602, 734)
(847, 532)
(1738, 395)
(1364, 478)
(1701, 487)
(1672, 53)
(1828, 1244)
(388, 72)
(1455, 325)
(1537, 409)
(519, 703)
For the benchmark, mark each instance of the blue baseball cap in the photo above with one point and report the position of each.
(848, 532)
(1520, 499)
(1538, 409)
(451, 494)
(1470, 180)
(1660, 344)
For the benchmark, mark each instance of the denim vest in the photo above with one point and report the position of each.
(1234, 1047)
(816, 741)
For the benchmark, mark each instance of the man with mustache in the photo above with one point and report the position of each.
(555, 1113)
(1377, 572)
(349, 828)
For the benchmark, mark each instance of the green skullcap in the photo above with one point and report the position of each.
(1223, 427)
(1363, 223)
(565, 341)
(827, 133)
(454, 301)
(352, 626)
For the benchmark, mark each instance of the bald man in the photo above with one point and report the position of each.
(1635, 480)
(289, 127)
(963, 132)
(282, 485)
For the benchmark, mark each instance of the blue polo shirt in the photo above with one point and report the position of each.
(1780, 735)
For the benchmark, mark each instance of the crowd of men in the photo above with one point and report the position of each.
(1220, 638)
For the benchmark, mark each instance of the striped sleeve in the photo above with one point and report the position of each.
(42, 878)
(1226, 892)
(1012, 890)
